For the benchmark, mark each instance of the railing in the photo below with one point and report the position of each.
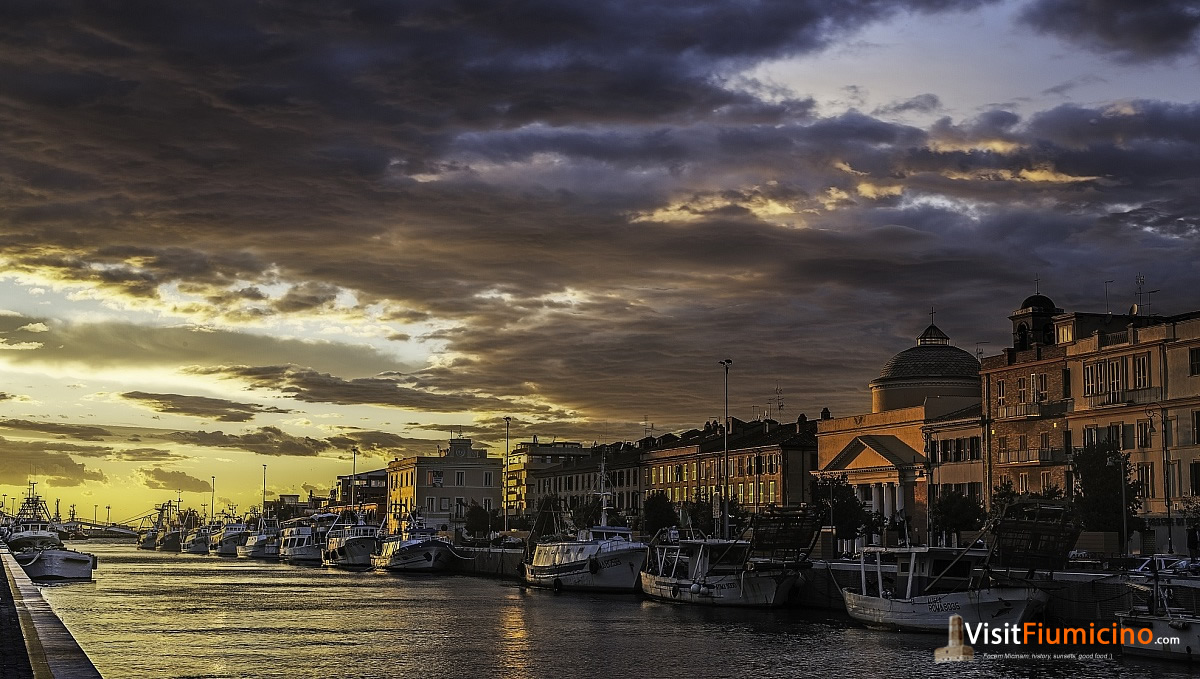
(1031, 455)
(1125, 397)
(1039, 409)
(1108, 339)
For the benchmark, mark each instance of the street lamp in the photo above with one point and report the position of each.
(725, 464)
(504, 499)
(1166, 482)
(95, 512)
(1119, 461)
(108, 518)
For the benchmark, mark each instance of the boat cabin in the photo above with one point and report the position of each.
(905, 572)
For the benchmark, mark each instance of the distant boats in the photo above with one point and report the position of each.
(263, 542)
(231, 536)
(351, 542)
(302, 540)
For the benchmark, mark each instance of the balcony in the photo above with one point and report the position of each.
(1032, 455)
(1039, 409)
(1125, 397)
(1107, 339)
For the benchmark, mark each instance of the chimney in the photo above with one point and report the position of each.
(825, 414)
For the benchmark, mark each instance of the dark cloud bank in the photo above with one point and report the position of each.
(589, 198)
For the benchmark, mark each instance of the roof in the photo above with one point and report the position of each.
(1040, 302)
(892, 450)
(931, 360)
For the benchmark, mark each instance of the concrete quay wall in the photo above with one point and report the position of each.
(48, 649)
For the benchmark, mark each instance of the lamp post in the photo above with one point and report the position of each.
(264, 500)
(213, 500)
(725, 460)
(108, 517)
(95, 513)
(504, 499)
(1119, 462)
(1166, 481)
(353, 474)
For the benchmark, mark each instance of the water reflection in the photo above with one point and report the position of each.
(172, 615)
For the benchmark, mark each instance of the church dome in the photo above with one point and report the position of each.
(931, 360)
(932, 368)
(1040, 302)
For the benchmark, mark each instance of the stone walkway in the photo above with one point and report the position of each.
(14, 662)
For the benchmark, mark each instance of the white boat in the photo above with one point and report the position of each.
(226, 541)
(351, 544)
(687, 567)
(1157, 629)
(416, 549)
(34, 543)
(302, 541)
(263, 542)
(604, 558)
(196, 541)
(1000, 584)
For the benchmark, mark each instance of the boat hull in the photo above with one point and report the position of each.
(425, 556)
(261, 550)
(1176, 638)
(753, 589)
(56, 565)
(606, 571)
(198, 545)
(170, 542)
(930, 613)
(308, 554)
(354, 552)
(227, 544)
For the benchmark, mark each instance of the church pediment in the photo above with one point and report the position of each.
(873, 452)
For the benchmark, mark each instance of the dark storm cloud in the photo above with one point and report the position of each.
(46, 460)
(385, 390)
(168, 479)
(220, 409)
(922, 103)
(587, 203)
(382, 443)
(75, 431)
(1132, 31)
(115, 344)
(264, 441)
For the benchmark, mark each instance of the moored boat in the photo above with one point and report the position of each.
(416, 549)
(196, 541)
(226, 541)
(604, 558)
(351, 544)
(302, 541)
(263, 542)
(35, 544)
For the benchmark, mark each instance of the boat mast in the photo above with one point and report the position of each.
(603, 495)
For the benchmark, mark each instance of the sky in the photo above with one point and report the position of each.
(237, 233)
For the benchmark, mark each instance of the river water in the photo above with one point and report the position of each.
(151, 614)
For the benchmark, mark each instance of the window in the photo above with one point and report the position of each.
(1066, 378)
(1022, 442)
(445, 504)
(1091, 436)
(431, 503)
(741, 496)
(460, 478)
(1000, 393)
(459, 506)
(1145, 476)
(1066, 333)
(1141, 371)
(1002, 444)
(1046, 483)
(487, 479)
(1114, 434)
(1044, 441)
(1021, 391)
(1194, 361)
(1196, 427)
(976, 447)
(1040, 394)
(1143, 434)
(1116, 375)
(487, 503)
(1023, 483)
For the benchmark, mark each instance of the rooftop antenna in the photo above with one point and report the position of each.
(1140, 281)
(932, 311)
(978, 349)
(1037, 279)
(1107, 308)
(1150, 298)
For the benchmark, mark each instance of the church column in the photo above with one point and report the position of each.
(889, 500)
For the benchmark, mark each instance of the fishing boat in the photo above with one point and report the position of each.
(263, 542)
(1158, 629)
(601, 558)
(768, 570)
(196, 540)
(1003, 583)
(351, 542)
(417, 548)
(34, 542)
(302, 541)
(232, 535)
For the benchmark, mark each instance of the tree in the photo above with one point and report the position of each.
(1003, 495)
(1099, 467)
(739, 518)
(700, 514)
(586, 514)
(954, 512)
(849, 513)
(657, 513)
(477, 519)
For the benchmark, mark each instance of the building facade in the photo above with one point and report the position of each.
(441, 487)
(577, 479)
(524, 462)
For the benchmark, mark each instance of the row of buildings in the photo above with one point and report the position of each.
(940, 420)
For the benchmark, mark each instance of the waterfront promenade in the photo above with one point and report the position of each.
(33, 641)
